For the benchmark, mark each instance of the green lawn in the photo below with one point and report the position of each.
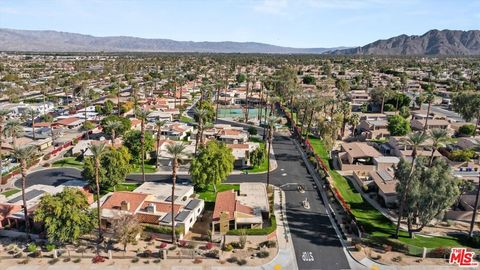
(373, 222)
(125, 187)
(208, 194)
(149, 168)
(262, 167)
(10, 192)
(68, 162)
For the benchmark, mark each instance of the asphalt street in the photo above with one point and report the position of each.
(316, 244)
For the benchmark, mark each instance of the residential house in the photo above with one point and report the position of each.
(242, 152)
(357, 156)
(373, 129)
(419, 124)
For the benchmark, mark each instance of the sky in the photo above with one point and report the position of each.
(294, 23)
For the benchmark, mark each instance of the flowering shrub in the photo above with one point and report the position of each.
(98, 259)
(163, 245)
(209, 245)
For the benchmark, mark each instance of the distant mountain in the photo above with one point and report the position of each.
(434, 42)
(53, 41)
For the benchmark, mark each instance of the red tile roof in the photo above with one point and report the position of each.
(115, 200)
(67, 121)
(147, 218)
(224, 202)
(162, 207)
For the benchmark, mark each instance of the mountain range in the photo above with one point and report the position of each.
(434, 42)
(54, 41)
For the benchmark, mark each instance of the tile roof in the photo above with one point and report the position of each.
(357, 150)
(7, 209)
(67, 121)
(115, 200)
(224, 202)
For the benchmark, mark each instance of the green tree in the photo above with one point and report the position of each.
(467, 104)
(13, 128)
(126, 228)
(131, 140)
(3, 115)
(467, 129)
(431, 191)
(209, 116)
(32, 114)
(241, 78)
(158, 124)
(212, 164)
(257, 156)
(439, 137)
(398, 126)
(308, 79)
(66, 215)
(107, 108)
(119, 130)
(97, 151)
(23, 156)
(114, 168)
(405, 112)
(113, 126)
(354, 120)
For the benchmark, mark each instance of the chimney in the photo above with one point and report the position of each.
(150, 208)
(125, 206)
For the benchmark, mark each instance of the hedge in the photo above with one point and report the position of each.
(264, 231)
(162, 229)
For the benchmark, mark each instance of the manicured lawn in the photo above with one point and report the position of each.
(149, 168)
(262, 167)
(125, 187)
(372, 221)
(10, 192)
(68, 162)
(208, 194)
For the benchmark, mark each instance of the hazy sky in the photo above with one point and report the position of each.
(297, 23)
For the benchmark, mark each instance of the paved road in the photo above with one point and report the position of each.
(316, 244)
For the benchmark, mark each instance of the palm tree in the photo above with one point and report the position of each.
(159, 124)
(113, 125)
(3, 114)
(97, 151)
(142, 115)
(354, 120)
(271, 125)
(429, 99)
(32, 114)
(177, 152)
(475, 208)
(13, 129)
(200, 114)
(414, 141)
(86, 99)
(23, 155)
(439, 137)
(345, 108)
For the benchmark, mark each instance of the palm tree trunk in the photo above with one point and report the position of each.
(246, 103)
(426, 119)
(33, 126)
(118, 102)
(1, 152)
(270, 138)
(157, 163)
(309, 123)
(99, 210)
(23, 165)
(475, 208)
(404, 195)
(383, 103)
(142, 142)
(431, 156)
(174, 179)
(217, 98)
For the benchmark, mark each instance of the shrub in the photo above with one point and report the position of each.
(397, 259)
(156, 261)
(49, 247)
(232, 259)
(268, 244)
(439, 252)
(252, 131)
(387, 248)
(197, 261)
(18, 255)
(32, 247)
(147, 253)
(135, 260)
(182, 243)
(263, 254)
(98, 259)
(53, 261)
(146, 262)
(172, 248)
(228, 248)
(376, 257)
(467, 129)
(25, 261)
(37, 254)
(242, 262)
(236, 245)
(163, 245)
(212, 254)
(209, 246)
(77, 260)
(66, 260)
(263, 231)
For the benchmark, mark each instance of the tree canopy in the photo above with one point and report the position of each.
(209, 116)
(66, 215)
(126, 125)
(398, 126)
(114, 167)
(212, 164)
(131, 140)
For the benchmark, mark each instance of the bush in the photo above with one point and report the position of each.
(32, 247)
(467, 130)
(25, 261)
(135, 260)
(268, 244)
(228, 248)
(77, 260)
(252, 131)
(236, 245)
(98, 259)
(242, 262)
(397, 259)
(439, 252)
(53, 261)
(263, 231)
(209, 246)
(212, 254)
(232, 259)
(37, 254)
(163, 245)
(66, 260)
(49, 247)
(18, 255)
(263, 254)
(182, 243)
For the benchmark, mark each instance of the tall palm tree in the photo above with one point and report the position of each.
(86, 100)
(159, 124)
(97, 151)
(32, 114)
(142, 116)
(429, 99)
(113, 126)
(271, 125)
(438, 137)
(345, 108)
(414, 140)
(177, 152)
(13, 128)
(475, 208)
(23, 155)
(3, 114)
(200, 115)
